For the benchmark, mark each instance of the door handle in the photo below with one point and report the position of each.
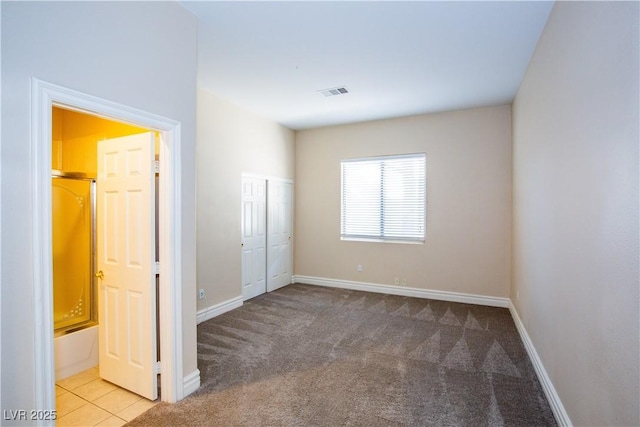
(100, 275)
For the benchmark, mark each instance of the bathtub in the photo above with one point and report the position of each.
(76, 352)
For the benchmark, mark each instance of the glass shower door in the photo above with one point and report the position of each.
(73, 253)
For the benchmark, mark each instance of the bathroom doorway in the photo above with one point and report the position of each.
(44, 97)
(86, 150)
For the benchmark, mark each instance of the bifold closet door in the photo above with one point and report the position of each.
(279, 234)
(254, 238)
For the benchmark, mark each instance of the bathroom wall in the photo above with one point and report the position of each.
(75, 139)
(56, 138)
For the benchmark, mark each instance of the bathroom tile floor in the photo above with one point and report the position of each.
(85, 399)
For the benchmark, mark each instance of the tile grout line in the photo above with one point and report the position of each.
(93, 404)
(100, 407)
(87, 403)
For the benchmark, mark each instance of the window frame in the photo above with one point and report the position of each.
(380, 236)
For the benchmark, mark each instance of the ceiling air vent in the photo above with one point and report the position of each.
(334, 91)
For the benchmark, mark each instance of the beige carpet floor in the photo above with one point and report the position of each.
(312, 356)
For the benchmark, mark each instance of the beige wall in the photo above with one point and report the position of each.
(575, 254)
(467, 246)
(114, 50)
(231, 141)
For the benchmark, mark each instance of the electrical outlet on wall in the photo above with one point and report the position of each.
(396, 280)
(201, 294)
(403, 281)
(360, 268)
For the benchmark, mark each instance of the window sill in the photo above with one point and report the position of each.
(374, 240)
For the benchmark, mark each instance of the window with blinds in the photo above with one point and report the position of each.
(384, 198)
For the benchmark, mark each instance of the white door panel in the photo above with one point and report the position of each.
(280, 233)
(126, 259)
(253, 237)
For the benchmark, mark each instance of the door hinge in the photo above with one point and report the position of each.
(156, 166)
(157, 267)
(157, 369)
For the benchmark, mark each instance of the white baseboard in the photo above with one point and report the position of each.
(405, 291)
(218, 309)
(191, 383)
(549, 390)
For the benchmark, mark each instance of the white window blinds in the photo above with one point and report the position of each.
(383, 198)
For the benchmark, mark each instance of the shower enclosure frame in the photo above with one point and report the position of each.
(93, 316)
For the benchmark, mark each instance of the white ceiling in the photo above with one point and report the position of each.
(395, 58)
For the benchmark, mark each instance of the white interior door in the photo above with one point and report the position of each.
(126, 263)
(279, 234)
(253, 243)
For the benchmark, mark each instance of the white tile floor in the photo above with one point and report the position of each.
(85, 399)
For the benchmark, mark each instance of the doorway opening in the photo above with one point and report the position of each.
(45, 97)
(78, 141)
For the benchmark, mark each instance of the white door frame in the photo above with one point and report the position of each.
(44, 97)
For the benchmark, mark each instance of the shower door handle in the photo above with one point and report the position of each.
(100, 275)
